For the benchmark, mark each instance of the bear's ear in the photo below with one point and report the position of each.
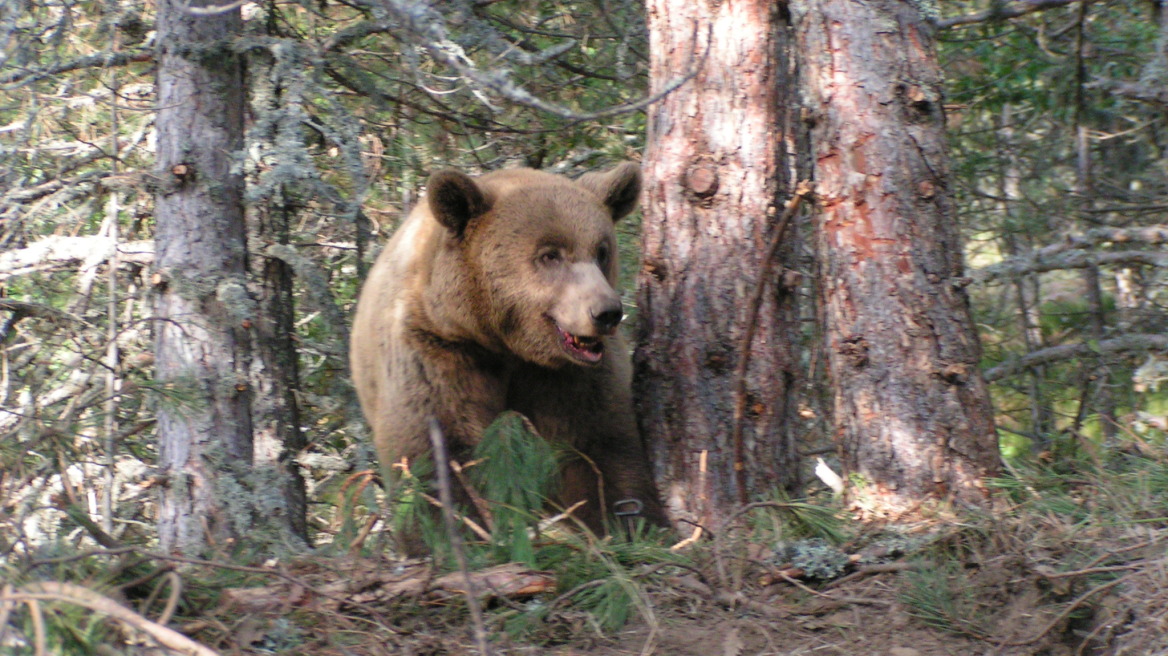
(619, 187)
(455, 199)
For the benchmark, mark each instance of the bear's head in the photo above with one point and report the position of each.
(535, 256)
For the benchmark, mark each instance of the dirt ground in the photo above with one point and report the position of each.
(874, 623)
(1007, 611)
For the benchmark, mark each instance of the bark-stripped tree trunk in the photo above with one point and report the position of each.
(717, 172)
(201, 347)
(912, 411)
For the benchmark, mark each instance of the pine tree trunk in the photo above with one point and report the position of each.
(201, 347)
(912, 411)
(717, 172)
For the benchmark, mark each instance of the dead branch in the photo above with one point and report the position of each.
(476, 499)
(97, 60)
(1143, 93)
(483, 533)
(81, 596)
(1002, 12)
(1075, 603)
(507, 581)
(1060, 256)
(836, 601)
(802, 191)
(57, 250)
(1121, 344)
(426, 27)
(868, 570)
(1042, 261)
(446, 494)
(729, 599)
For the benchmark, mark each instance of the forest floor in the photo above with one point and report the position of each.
(1073, 561)
(1001, 605)
(1081, 569)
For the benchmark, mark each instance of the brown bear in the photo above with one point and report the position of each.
(497, 293)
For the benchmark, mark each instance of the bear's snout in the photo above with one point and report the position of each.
(608, 318)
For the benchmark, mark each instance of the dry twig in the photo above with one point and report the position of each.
(802, 191)
(33, 593)
(447, 497)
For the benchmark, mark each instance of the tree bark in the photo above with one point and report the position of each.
(911, 410)
(202, 352)
(716, 168)
(276, 373)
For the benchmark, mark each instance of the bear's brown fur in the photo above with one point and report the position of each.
(497, 294)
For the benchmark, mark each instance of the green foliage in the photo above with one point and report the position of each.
(411, 513)
(516, 474)
(513, 474)
(940, 597)
(1047, 143)
(794, 520)
(600, 577)
(610, 602)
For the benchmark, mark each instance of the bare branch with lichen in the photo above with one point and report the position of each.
(1072, 253)
(1121, 344)
(426, 27)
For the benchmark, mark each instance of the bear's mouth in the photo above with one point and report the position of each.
(586, 349)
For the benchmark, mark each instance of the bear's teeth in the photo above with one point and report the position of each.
(591, 345)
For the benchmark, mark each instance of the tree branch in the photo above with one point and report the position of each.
(81, 596)
(1152, 95)
(1001, 12)
(98, 60)
(320, 295)
(427, 28)
(91, 251)
(1119, 344)
(38, 310)
(1071, 254)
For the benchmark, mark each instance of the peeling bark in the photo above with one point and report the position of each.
(911, 409)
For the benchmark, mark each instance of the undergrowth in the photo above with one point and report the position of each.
(1072, 554)
(1063, 539)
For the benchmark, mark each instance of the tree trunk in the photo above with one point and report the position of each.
(912, 412)
(275, 370)
(202, 350)
(276, 373)
(717, 171)
(1085, 190)
(1027, 293)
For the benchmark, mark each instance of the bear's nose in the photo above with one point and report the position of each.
(609, 318)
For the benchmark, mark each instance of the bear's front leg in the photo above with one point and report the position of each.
(463, 393)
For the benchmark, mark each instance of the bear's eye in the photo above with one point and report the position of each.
(551, 256)
(602, 256)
